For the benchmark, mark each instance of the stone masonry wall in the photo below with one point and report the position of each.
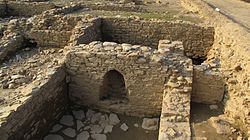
(28, 8)
(43, 102)
(117, 7)
(231, 47)
(208, 85)
(197, 40)
(141, 67)
(175, 114)
(59, 31)
(50, 30)
(86, 32)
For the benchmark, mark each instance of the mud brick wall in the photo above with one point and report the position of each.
(43, 102)
(197, 40)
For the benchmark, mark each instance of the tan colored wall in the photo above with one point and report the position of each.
(49, 38)
(44, 103)
(117, 7)
(63, 30)
(208, 85)
(197, 40)
(27, 8)
(175, 114)
(231, 47)
(144, 71)
(86, 32)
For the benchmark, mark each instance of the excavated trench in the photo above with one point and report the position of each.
(69, 120)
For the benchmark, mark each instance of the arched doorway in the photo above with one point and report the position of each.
(113, 86)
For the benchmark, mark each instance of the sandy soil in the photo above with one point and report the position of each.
(235, 9)
(202, 128)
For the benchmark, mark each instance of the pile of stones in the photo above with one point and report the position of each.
(28, 65)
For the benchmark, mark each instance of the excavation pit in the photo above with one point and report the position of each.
(113, 74)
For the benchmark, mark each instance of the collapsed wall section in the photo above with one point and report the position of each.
(42, 103)
(197, 40)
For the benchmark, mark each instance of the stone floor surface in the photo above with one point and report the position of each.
(80, 124)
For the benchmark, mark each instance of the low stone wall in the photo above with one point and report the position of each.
(28, 8)
(49, 38)
(117, 7)
(63, 30)
(208, 85)
(86, 32)
(175, 114)
(42, 104)
(231, 47)
(197, 40)
(141, 67)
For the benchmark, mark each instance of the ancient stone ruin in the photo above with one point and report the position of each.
(89, 70)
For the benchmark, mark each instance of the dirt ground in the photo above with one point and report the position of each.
(204, 128)
(235, 9)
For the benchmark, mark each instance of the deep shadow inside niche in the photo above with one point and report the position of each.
(29, 43)
(113, 87)
(199, 60)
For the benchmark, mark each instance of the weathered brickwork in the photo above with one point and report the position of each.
(197, 40)
(42, 104)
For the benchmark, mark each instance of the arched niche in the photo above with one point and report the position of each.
(113, 87)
